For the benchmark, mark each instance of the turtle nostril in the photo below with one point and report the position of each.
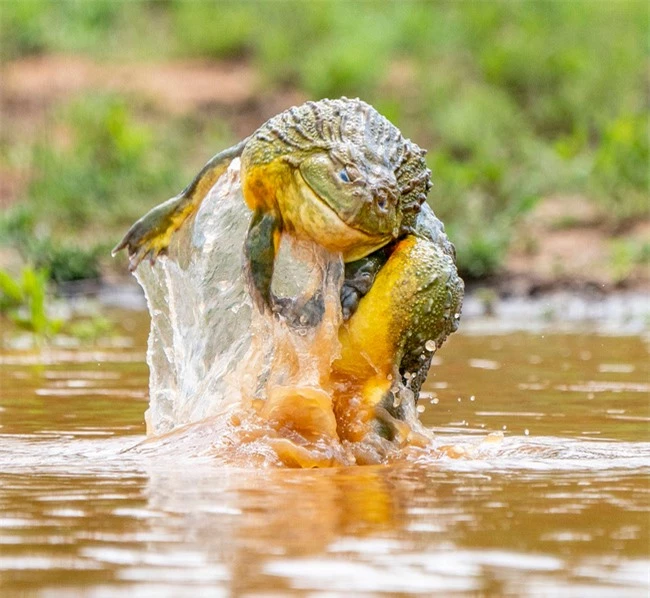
(383, 198)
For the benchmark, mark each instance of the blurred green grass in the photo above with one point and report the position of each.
(514, 100)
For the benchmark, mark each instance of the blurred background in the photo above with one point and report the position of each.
(535, 115)
(536, 118)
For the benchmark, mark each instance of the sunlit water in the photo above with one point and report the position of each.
(535, 483)
(558, 507)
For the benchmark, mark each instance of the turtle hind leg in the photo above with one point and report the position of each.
(149, 237)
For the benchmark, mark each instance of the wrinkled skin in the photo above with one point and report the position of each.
(338, 173)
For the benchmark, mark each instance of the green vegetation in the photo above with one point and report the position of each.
(626, 256)
(26, 302)
(23, 301)
(516, 101)
(108, 157)
(106, 172)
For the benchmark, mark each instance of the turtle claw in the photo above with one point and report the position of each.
(145, 253)
(149, 237)
(350, 298)
(121, 245)
(141, 246)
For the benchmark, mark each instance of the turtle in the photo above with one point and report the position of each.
(337, 172)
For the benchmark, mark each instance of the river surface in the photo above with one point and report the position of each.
(548, 493)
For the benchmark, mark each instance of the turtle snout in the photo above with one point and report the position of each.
(384, 197)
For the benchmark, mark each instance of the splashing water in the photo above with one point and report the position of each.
(200, 313)
(229, 381)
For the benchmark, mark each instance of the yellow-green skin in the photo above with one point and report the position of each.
(340, 174)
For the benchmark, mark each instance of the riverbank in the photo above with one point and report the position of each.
(550, 191)
(485, 311)
(534, 121)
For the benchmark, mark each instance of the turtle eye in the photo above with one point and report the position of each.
(343, 175)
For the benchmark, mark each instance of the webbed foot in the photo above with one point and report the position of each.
(149, 237)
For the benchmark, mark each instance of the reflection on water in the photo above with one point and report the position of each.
(556, 507)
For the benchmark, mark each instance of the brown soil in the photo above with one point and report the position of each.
(12, 184)
(33, 87)
(566, 242)
(176, 87)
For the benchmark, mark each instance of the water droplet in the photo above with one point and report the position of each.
(504, 427)
(389, 377)
(408, 375)
(459, 399)
(435, 401)
(526, 432)
(421, 408)
(456, 316)
(430, 345)
(472, 398)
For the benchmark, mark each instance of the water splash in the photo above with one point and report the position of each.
(230, 381)
(200, 312)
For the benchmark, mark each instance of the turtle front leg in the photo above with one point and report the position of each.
(260, 249)
(359, 277)
(149, 237)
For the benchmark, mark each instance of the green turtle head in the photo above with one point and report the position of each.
(361, 189)
(353, 159)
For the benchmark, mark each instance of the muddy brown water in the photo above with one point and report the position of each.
(559, 506)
